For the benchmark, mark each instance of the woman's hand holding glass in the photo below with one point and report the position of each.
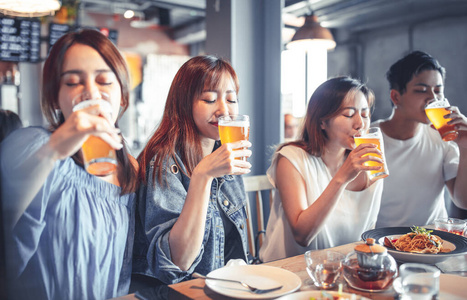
(77, 128)
(354, 163)
(225, 160)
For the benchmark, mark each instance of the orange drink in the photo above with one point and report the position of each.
(374, 136)
(233, 133)
(436, 111)
(99, 158)
(234, 128)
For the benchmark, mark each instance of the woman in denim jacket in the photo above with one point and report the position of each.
(192, 199)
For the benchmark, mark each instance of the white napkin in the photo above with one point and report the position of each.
(236, 262)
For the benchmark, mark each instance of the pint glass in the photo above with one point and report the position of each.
(234, 128)
(374, 136)
(436, 111)
(99, 158)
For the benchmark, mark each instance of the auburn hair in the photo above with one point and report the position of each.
(177, 133)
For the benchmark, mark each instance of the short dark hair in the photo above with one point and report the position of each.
(401, 72)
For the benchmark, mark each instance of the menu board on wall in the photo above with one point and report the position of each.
(19, 40)
(57, 30)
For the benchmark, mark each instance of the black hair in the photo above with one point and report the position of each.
(409, 66)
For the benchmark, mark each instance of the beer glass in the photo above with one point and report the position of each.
(436, 111)
(374, 136)
(100, 158)
(234, 128)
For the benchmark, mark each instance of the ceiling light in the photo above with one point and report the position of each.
(129, 14)
(29, 8)
(310, 34)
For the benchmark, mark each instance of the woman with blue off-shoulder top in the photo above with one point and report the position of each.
(69, 233)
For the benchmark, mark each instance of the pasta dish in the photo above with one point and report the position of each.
(419, 240)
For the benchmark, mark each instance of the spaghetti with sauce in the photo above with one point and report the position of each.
(419, 240)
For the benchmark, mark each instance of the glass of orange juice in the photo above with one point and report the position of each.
(100, 158)
(374, 136)
(234, 128)
(436, 111)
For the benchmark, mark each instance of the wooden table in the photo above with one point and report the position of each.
(196, 288)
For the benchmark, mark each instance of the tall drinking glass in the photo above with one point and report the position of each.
(436, 111)
(100, 158)
(374, 136)
(234, 128)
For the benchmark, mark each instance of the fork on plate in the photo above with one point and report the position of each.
(251, 288)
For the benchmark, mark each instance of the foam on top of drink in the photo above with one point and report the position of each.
(438, 104)
(366, 135)
(87, 103)
(235, 123)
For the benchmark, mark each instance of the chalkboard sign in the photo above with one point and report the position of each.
(57, 30)
(19, 40)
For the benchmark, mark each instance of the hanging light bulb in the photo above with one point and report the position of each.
(128, 14)
(29, 8)
(312, 34)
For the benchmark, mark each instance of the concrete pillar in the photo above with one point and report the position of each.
(248, 34)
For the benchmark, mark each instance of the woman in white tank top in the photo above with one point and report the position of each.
(323, 197)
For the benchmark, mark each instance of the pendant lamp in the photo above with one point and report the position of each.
(29, 8)
(311, 34)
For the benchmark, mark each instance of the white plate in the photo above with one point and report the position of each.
(456, 243)
(418, 257)
(258, 276)
(318, 296)
(451, 287)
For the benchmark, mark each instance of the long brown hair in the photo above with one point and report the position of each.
(177, 132)
(325, 104)
(51, 86)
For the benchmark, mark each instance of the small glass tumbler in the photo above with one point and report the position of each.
(419, 281)
(452, 225)
(100, 159)
(324, 267)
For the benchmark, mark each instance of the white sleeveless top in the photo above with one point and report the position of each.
(355, 213)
